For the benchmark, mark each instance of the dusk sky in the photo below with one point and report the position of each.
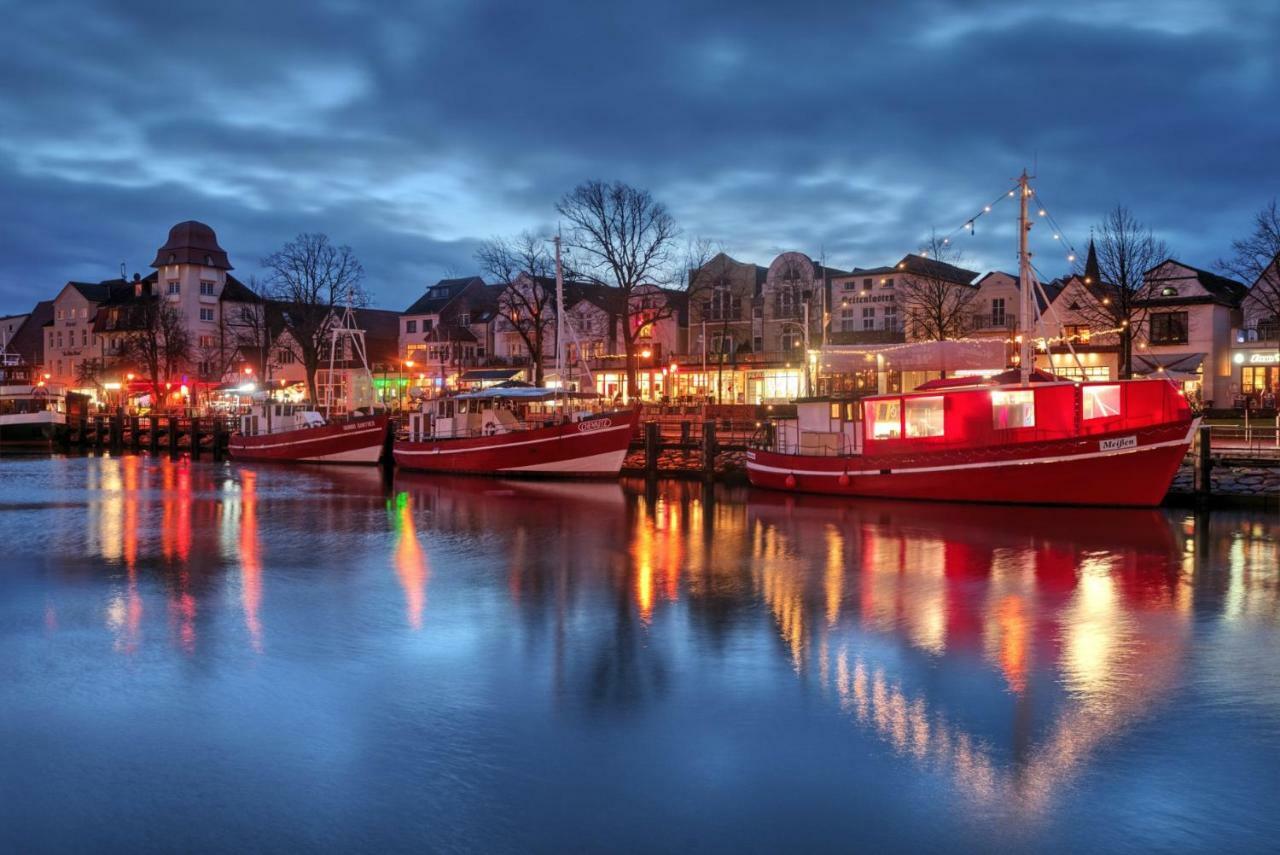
(411, 131)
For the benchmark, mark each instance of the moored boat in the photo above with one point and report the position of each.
(521, 431)
(274, 431)
(32, 416)
(1050, 442)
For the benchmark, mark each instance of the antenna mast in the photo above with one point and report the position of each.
(1026, 296)
(559, 315)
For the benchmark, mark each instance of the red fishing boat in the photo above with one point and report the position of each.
(295, 433)
(1024, 436)
(520, 430)
(344, 428)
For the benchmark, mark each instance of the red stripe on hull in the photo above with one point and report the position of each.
(593, 447)
(1068, 472)
(358, 440)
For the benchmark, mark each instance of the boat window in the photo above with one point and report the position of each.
(924, 416)
(886, 421)
(1015, 409)
(835, 411)
(1101, 401)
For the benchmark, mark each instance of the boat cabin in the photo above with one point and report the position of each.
(977, 416)
(496, 411)
(277, 417)
(19, 400)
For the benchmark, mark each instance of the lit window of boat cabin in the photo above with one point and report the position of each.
(886, 419)
(1013, 409)
(924, 416)
(1101, 401)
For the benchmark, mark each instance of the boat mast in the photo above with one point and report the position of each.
(559, 316)
(1026, 284)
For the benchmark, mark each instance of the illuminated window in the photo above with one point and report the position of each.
(1013, 409)
(924, 416)
(886, 421)
(1101, 401)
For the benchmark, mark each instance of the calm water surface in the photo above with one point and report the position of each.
(200, 656)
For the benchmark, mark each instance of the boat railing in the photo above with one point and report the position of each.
(768, 438)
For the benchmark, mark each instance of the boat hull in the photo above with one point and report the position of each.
(35, 431)
(358, 440)
(1133, 468)
(592, 448)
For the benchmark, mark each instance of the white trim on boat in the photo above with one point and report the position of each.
(328, 437)
(402, 449)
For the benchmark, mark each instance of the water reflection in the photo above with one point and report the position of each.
(999, 653)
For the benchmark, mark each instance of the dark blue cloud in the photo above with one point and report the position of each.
(411, 131)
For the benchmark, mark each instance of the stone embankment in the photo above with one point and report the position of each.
(1246, 482)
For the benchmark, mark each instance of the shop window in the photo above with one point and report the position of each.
(886, 419)
(924, 416)
(1101, 401)
(1013, 409)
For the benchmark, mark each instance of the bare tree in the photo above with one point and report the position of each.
(1127, 254)
(624, 239)
(157, 340)
(937, 302)
(1256, 261)
(527, 303)
(312, 279)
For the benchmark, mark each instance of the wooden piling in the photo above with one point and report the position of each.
(686, 432)
(219, 439)
(153, 438)
(135, 436)
(195, 437)
(651, 449)
(173, 436)
(709, 449)
(98, 433)
(1203, 466)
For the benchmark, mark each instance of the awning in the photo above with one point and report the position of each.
(967, 355)
(477, 375)
(1171, 366)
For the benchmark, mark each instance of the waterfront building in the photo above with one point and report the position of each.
(1185, 331)
(1255, 345)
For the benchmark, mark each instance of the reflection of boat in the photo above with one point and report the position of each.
(528, 497)
(520, 431)
(32, 416)
(290, 433)
(1023, 437)
(1144, 530)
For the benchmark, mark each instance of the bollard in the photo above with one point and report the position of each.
(153, 439)
(173, 437)
(709, 449)
(651, 448)
(83, 439)
(135, 438)
(1203, 466)
(98, 431)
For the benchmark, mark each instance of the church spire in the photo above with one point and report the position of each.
(1091, 275)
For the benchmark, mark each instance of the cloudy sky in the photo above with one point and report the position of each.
(413, 130)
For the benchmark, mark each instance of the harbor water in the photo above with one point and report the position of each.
(200, 656)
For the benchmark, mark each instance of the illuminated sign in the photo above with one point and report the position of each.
(1264, 359)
